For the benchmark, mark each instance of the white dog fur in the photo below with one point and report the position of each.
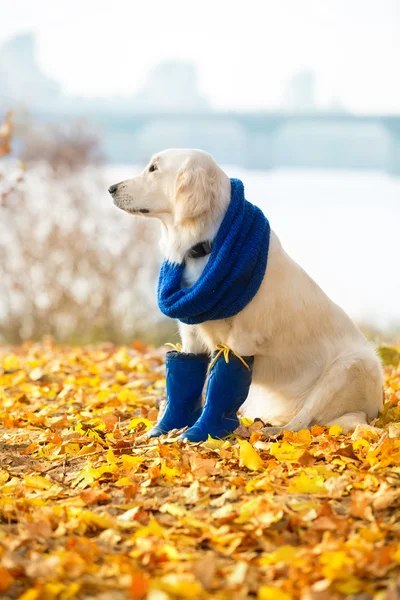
(312, 364)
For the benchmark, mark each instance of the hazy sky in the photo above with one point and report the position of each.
(245, 50)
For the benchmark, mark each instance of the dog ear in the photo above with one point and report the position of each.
(195, 191)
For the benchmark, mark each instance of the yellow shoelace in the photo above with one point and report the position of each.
(223, 349)
(177, 347)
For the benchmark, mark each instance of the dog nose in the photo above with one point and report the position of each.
(112, 189)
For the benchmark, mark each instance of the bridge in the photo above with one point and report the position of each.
(259, 132)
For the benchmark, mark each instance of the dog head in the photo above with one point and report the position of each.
(176, 185)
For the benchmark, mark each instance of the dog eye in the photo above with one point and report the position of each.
(152, 168)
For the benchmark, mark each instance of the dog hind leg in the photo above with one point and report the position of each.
(348, 384)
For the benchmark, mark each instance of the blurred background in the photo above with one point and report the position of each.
(301, 100)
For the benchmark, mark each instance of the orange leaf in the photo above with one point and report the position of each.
(8, 421)
(94, 496)
(6, 579)
(139, 585)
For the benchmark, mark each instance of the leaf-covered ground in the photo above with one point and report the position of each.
(90, 509)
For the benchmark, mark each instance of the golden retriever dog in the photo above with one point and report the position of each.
(312, 365)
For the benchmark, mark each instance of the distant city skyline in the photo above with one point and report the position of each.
(246, 54)
(172, 86)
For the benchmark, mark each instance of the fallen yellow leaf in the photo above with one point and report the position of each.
(37, 482)
(249, 457)
(267, 592)
(335, 430)
(307, 483)
(284, 451)
(140, 421)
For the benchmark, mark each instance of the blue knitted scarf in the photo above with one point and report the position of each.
(233, 273)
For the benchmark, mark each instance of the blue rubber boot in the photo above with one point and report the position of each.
(186, 374)
(227, 389)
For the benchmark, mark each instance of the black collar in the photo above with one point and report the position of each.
(199, 250)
